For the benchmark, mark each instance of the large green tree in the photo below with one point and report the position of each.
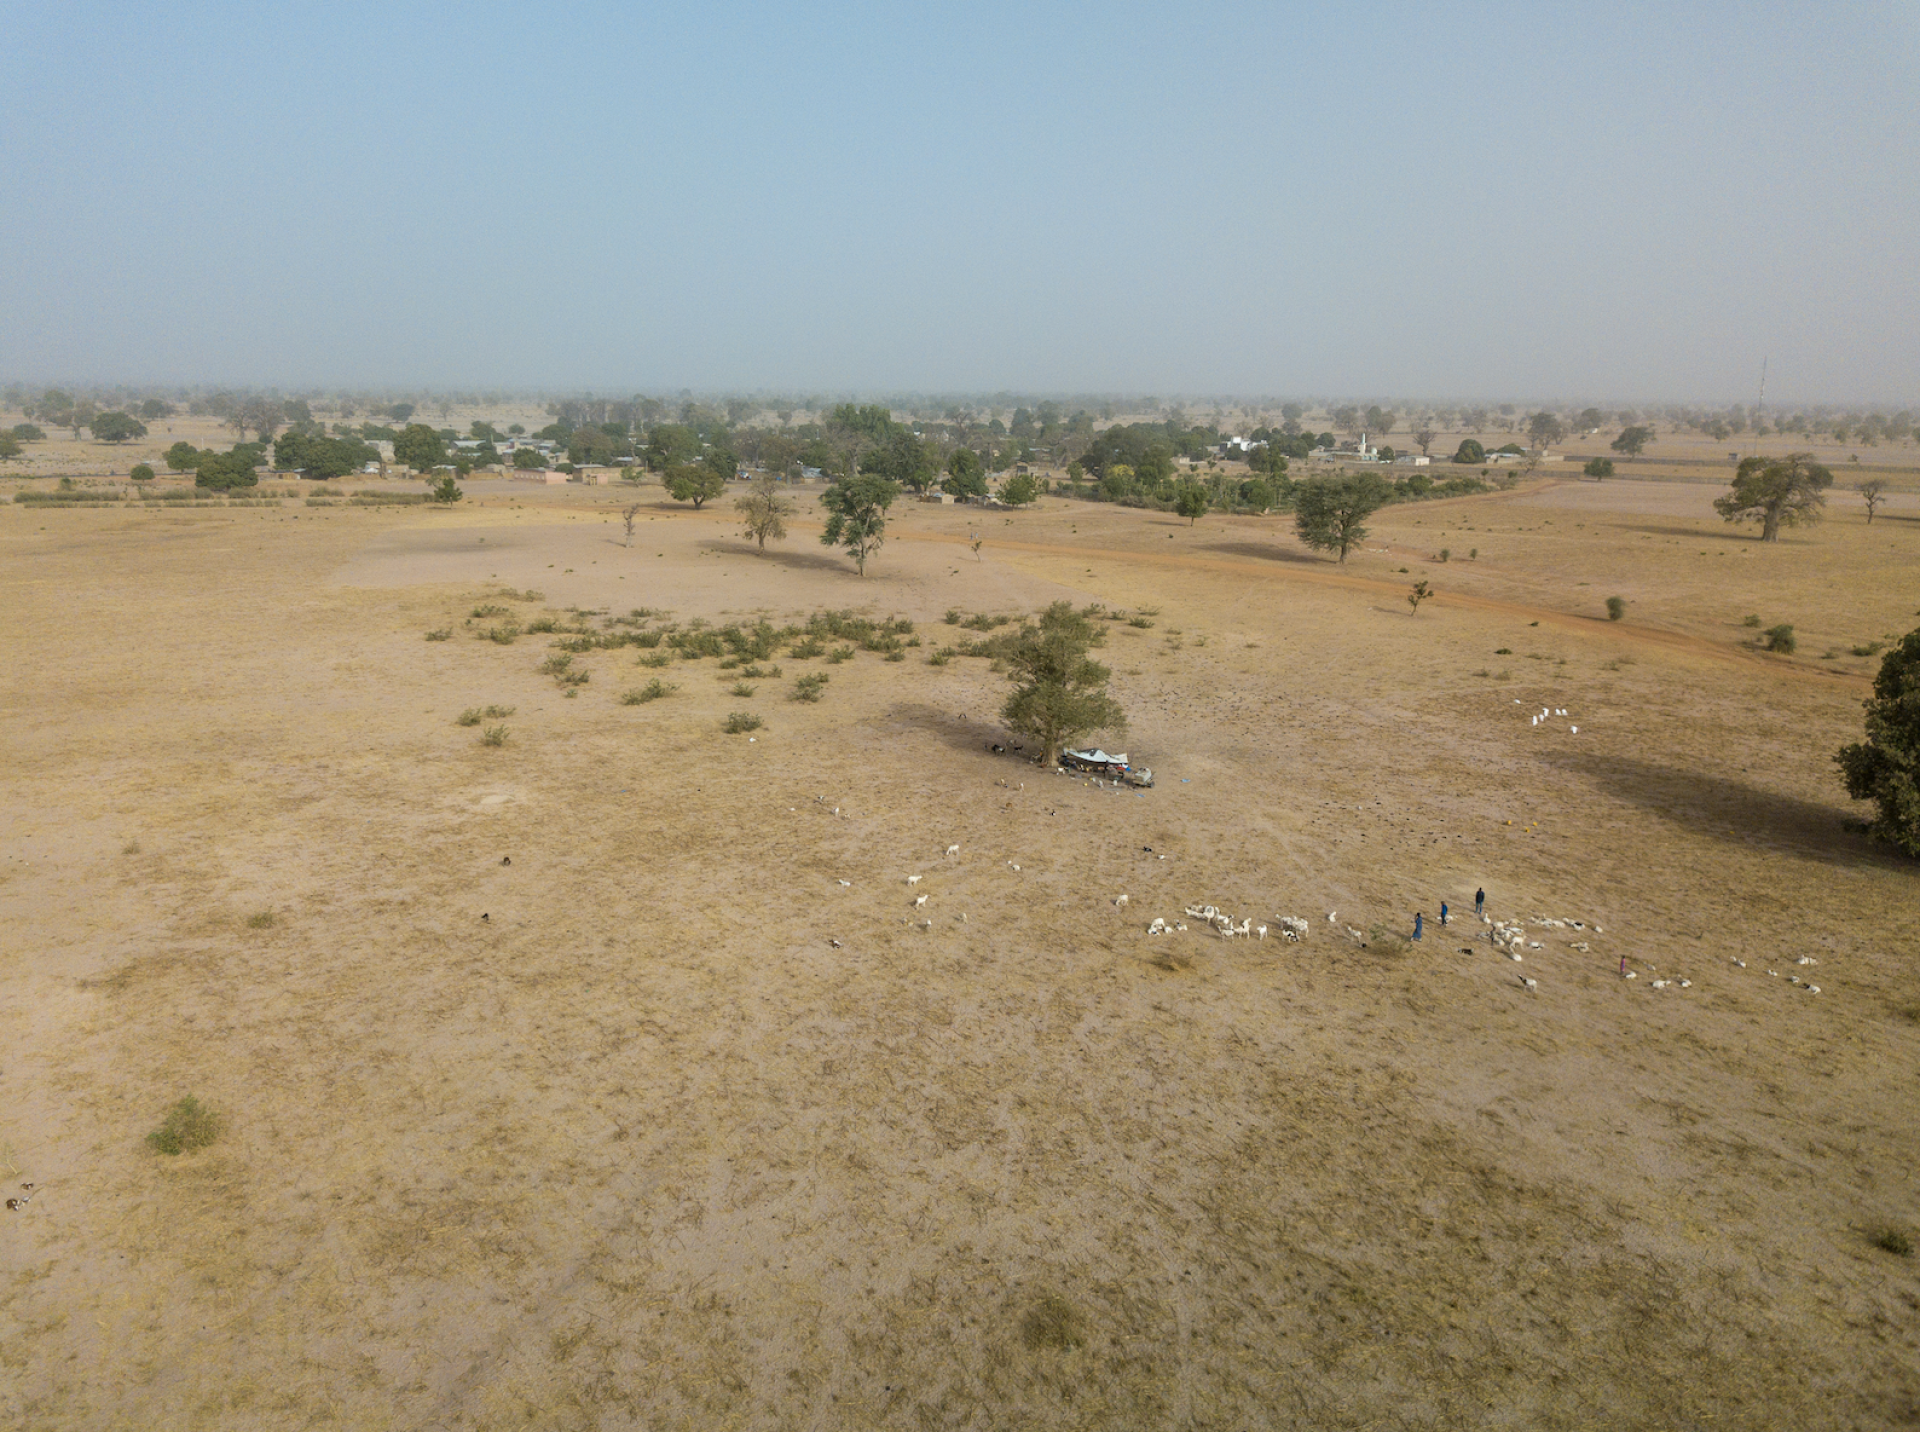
(225, 471)
(1470, 453)
(966, 474)
(1330, 512)
(859, 515)
(116, 427)
(419, 447)
(321, 457)
(1060, 693)
(10, 446)
(1885, 768)
(1776, 492)
(693, 482)
(1632, 440)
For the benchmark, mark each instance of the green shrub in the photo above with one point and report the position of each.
(652, 691)
(503, 635)
(494, 736)
(541, 625)
(1616, 608)
(481, 613)
(440, 634)
(1751, 621)
(840, 654)
(1872, 648)
(1780, 639)
(807, 688)
(941, 657)
(496, 713)
(1141, 622)
(656, 659)
(740, 721)
(1892, 1240)
(806, 650)
(742, 688)
(262, 921)
(469, 717)
(189, 1125)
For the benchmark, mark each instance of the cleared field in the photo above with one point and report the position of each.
(610, 1077)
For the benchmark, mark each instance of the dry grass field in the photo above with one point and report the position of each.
(609, 1077)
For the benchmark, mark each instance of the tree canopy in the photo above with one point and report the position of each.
(693, 482)
(225, 471)
(322, 457)
(966, 474)
(859, 515)
(1470, 453)
(419, 447)
(1330, 512)
(1632, 440)
(764, 510)
(1060, 692)
(526, 460)
(1544, 428)
(1885, 768)
(1598, 467)
(1020, 490)
(116, 427)
(1191, 501)
(1776, 492)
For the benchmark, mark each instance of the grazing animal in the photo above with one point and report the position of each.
(1121, 901)
(919, 900)
(913, 880)
(953, 850)
(506, 860)
(847, 883)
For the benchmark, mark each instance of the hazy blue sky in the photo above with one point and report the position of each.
(1604, 200)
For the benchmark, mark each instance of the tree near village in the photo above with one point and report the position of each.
(764, 510)
(858, 505)
(1330, 512)
(1776, 492)
(693, 482)
(1060, 692)
(1885, 768)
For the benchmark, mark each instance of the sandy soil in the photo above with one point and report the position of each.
(611, 1078)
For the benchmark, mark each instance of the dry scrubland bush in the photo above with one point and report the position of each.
(189, 1125)
(807, 688)
(652, 691)
(1616, 608)
(742, 721)
(494, 736)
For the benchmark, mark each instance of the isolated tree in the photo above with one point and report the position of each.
(182, 457)
(1330, 512)
(1545, 428)
(447, 489)
(858, 505)
(1775, 492)
(1470, 453)
(1191, 502)
(28, 433)
(764, 510)
(1020, 489)
(693, 482)
(1590, 418)
(116, 427)
(966, 474)
(1420, 592)
(9, 446)
(1425, 436)
(1885, 768)
(142, 472)
(400, 412)
(1872, 493)
(1632, 440)
(626, 517)
(1599, 467)
(1060, 692)
(1380, 420)
(419, 447)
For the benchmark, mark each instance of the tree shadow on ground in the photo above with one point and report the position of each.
(1731, 810)
(965, 733)
(1266, 552)
(799, 561)
(1715, 534)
